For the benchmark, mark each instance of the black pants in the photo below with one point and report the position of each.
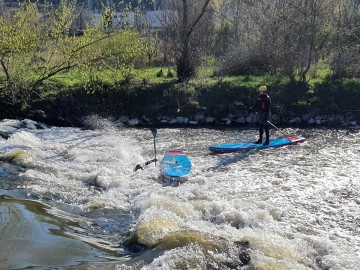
(263, 127)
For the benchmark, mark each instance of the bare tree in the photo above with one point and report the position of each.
(346, 42)
(280, 36)
(315, 20)
(254, 30)
(186, 26)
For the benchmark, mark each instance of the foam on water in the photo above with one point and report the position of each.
(296, 206)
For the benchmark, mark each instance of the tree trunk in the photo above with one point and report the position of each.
(185, 66)
(185, 69)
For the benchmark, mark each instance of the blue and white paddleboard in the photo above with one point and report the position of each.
(235, 147)
(175, 165)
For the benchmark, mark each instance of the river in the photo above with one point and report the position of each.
(70, 199)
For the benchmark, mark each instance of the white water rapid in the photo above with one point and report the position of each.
(70, 199)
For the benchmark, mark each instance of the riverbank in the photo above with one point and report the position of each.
(216, 103)
(346, 120)
(201, 118)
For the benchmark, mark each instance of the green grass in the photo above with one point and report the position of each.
(150, 74)
(253, 82)
(69, 78)
(318, 74)
(204, 77)
(210, 91)
(205, 72)
(74, 77)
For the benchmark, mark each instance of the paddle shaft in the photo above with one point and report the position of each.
(154, 131)
(141, 166)
(276, 128)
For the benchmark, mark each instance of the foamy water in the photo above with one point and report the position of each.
(295, 207)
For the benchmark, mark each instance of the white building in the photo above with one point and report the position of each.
(152, 19)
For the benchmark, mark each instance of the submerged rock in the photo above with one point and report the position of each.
(210, 243)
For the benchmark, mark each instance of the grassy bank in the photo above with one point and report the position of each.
(154, 91)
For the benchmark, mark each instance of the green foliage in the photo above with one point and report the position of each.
(319, 72)
(60, 21)
(116, 53)
(107, 17)
(20, 36)
(205, 71)
(36, 45)
(19, 33)
(223, 93)
(342, 94)
(253, 82)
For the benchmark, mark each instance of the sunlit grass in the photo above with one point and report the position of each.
(149, 75)
(318, 74)
(155, 74)
(205, 72)
(68, 78)
(205, 76)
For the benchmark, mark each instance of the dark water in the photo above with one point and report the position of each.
(69, 198)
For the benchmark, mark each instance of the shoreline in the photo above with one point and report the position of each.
(348, 120)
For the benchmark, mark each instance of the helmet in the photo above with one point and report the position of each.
(263, 88)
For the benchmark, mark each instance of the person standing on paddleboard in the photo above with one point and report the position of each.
(262, 106)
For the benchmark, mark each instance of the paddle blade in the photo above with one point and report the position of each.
(153, 131)
(142, 166)
(138, 167)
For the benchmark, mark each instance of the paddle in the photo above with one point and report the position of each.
(141, 166)
(154, 131)
(277, 128)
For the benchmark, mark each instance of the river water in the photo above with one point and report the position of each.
(70, 199)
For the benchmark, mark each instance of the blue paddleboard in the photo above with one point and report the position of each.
(234, 147)
(175, 165)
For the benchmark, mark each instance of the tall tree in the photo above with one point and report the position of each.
(314, 26)
(280, 36)
(346, 41)
(187, 23)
